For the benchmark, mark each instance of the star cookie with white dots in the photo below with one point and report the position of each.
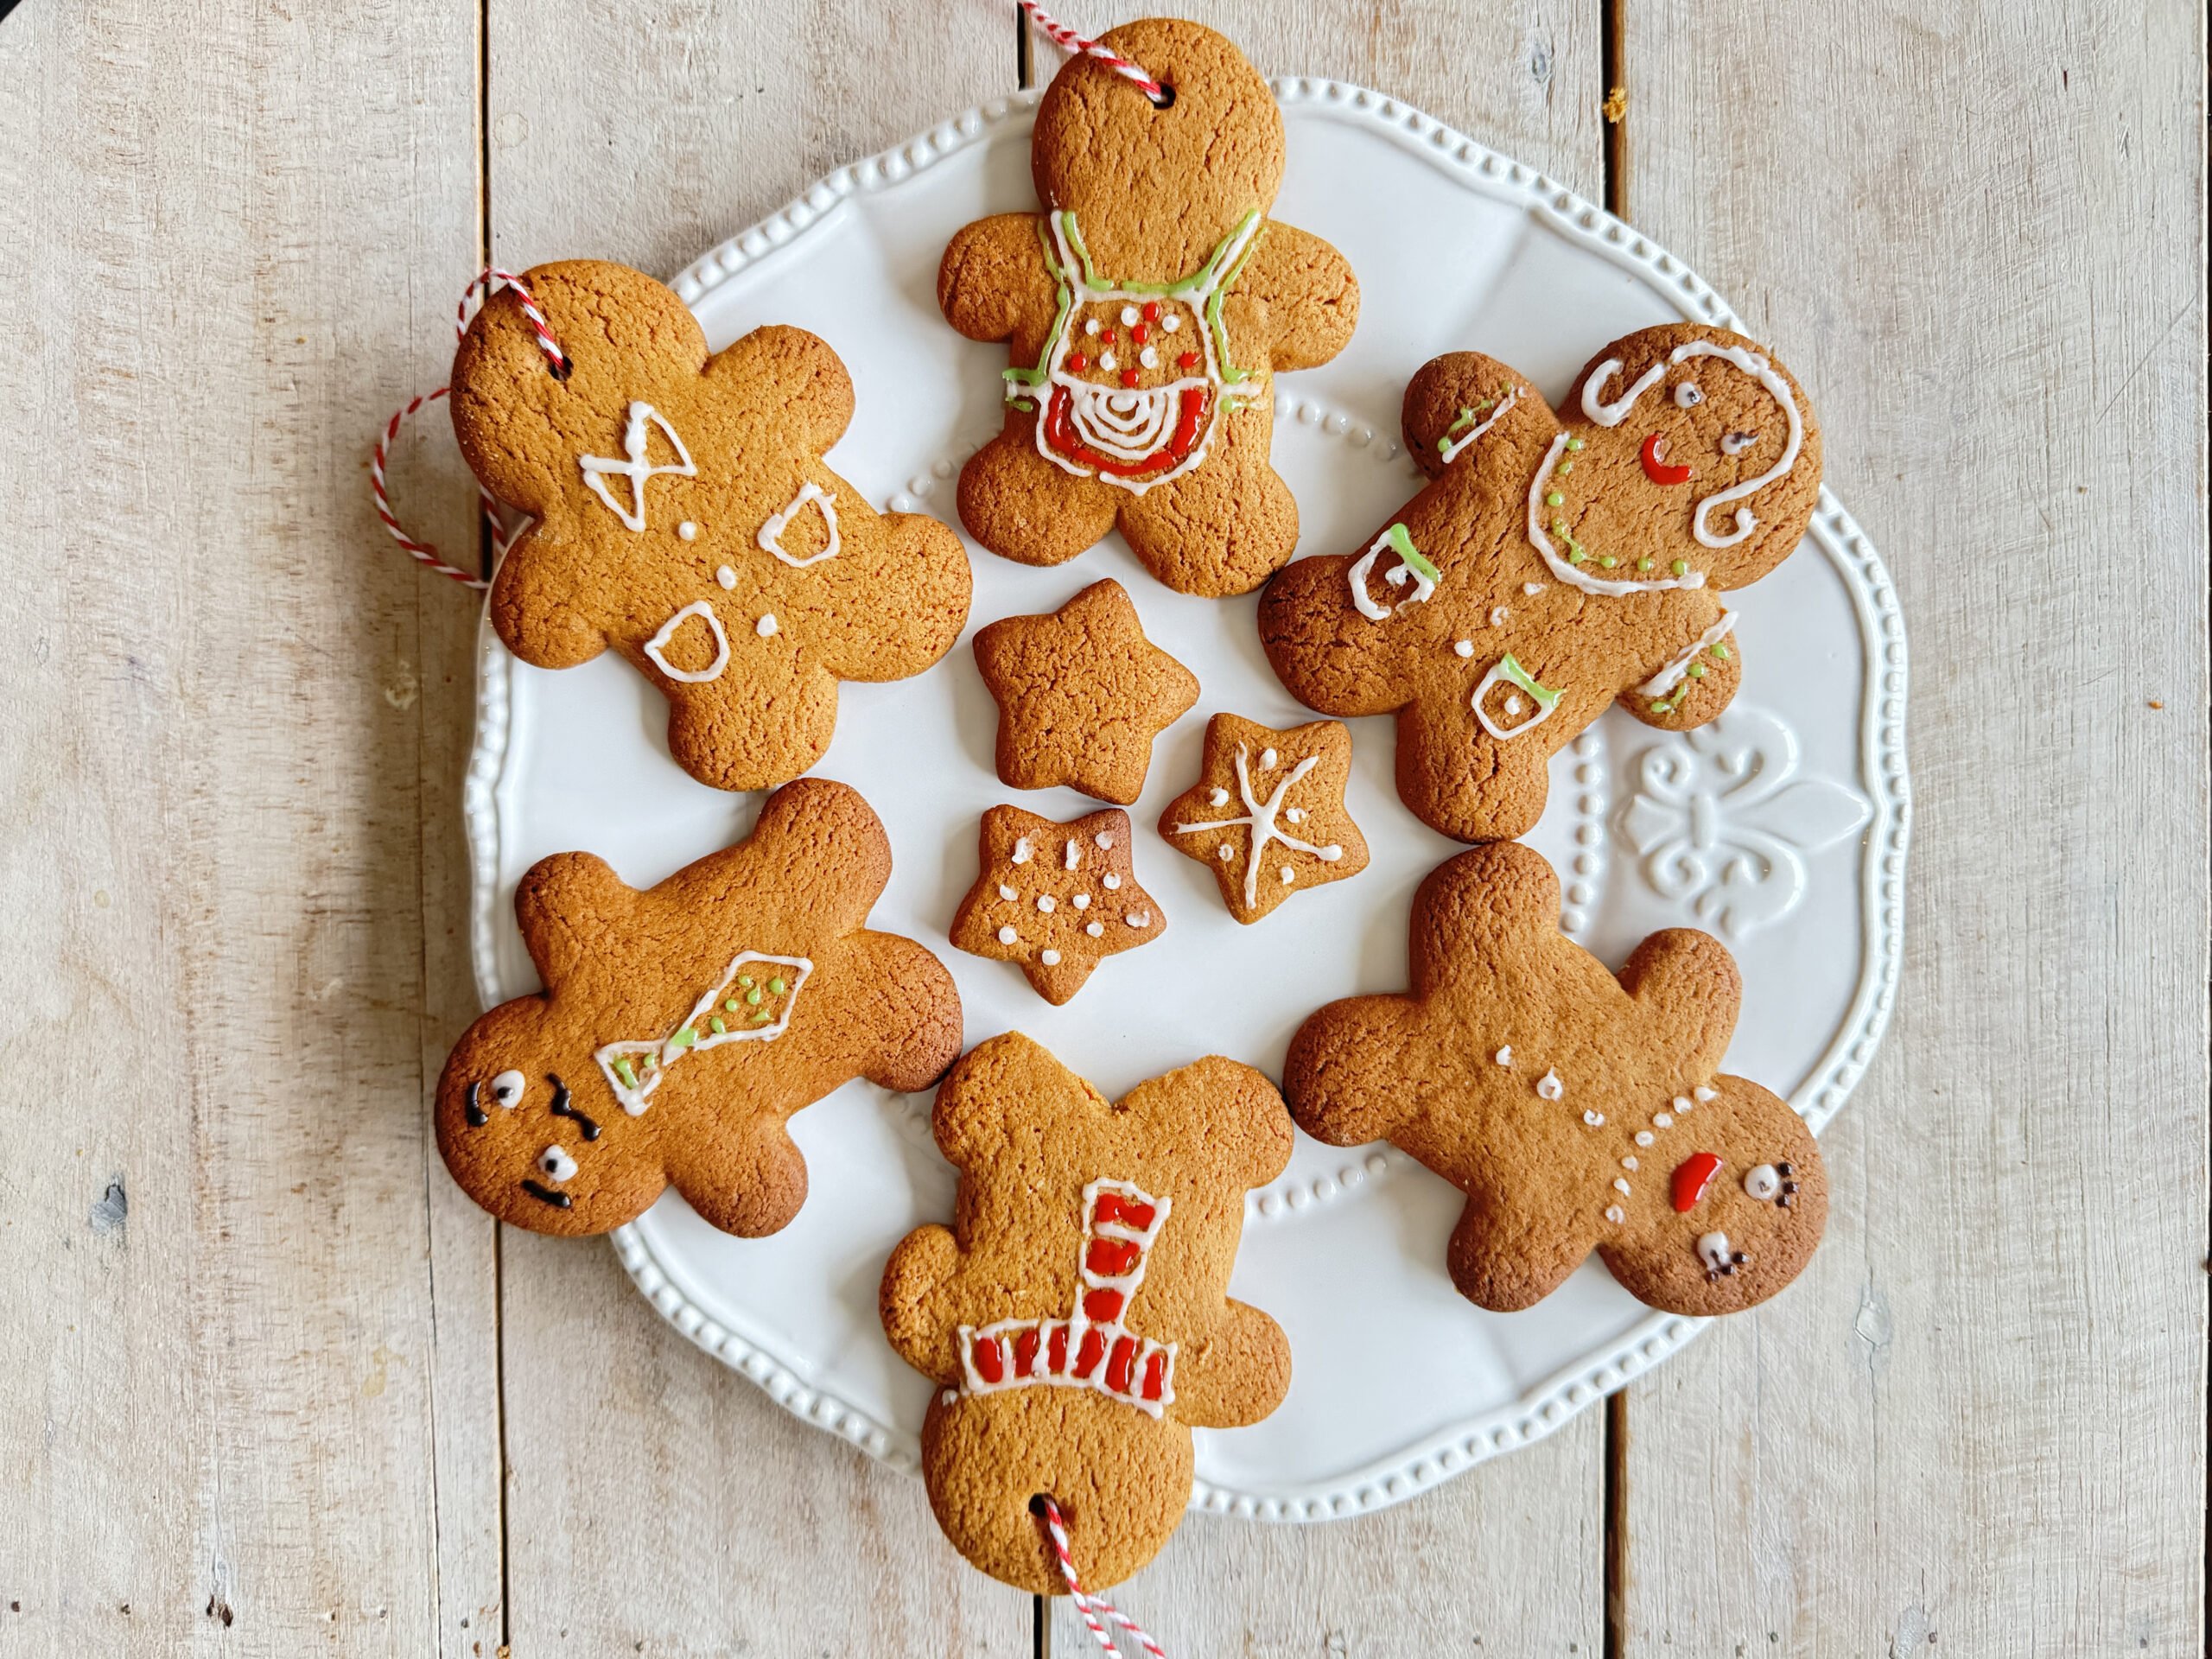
(1055, 898)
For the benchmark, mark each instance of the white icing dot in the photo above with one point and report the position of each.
(1332, 853)
(1074, 852)
(1681, 1103)
(1289, 876)
(1621, 1185)
(1644, 1137)
(1021, 851)
(1106, 360)
(1149, 358)
(1129, 314)
(1139, 919)
(1094, 928)
(1296, 815)
(1091, 327)
(1498, 615)
(766, 626)
(1532, 588)
(1171, 322)
(1105, 842)
(1505, 1055)
(1005, 891)
(1704, 1093)
(1050, 958)
(1008, 935)
(1615, 1214)
(1464, 648)
(1662, 1119)
(726, 576)
(1081, 901)
(1112, 882)
(1548, 1085)
(1224, 852)
(1267, 759)
(1513, 705)
(1595, 1119)
(1629, 1162)
(1219, 797)
(688, 531)
(1045, 903)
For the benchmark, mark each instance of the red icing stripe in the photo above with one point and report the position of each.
(1104, 1306)
(1025, 1353)
(1155, 1374)
(1110, 1258)
(1087, 1356)
(1056, 1352)
(990, 1359)
(1112, 1207)
(1692, 1176)
(1117, 1368)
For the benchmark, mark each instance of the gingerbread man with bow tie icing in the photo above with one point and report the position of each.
(1146, 311)
(1577, 1109)
(1555, 563)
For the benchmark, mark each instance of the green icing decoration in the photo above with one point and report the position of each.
(1644, 564)
(1609, 560)
(1661, 707)
(761, 1018)
(753, 996)
(775, 987)
(1720, 649)
(1681, 567)
(684, 1040)
(1697, 671)
(1555, 500)
(1564, 468)
(629, 1077)
(1401, 544)
(730, 1006)
(1026, 405)
(1574, 443)
(715, 1024)
(1545, 695)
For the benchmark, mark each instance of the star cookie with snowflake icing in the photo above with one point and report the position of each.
(1268, 813)
(1055, 898)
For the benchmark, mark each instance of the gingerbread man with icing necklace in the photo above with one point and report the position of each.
(1579, 1111)
(1556, 562)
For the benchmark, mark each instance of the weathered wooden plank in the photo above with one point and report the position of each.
(227, 250)
(1977, 1425)
(1513, 1553)
(655, 1496)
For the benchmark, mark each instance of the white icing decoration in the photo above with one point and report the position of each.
(1139, 919)
(1148, 357)
(1005, 891)
(1050, 958)
(1397, 577)
(1762, 1182)
(1512, 673)
(633, 465)
(1091, 327)
(1113, 883)
(1704, 1094)
(1021, 849)
(688, 531)
(1260, 818)
(1105, 842)
(1629, 1162)
(772, 533)
(1288, 875)
(1074, 852)
(1008, 935)
(1217, 798)
(554, 1164)
(1532, 588)
(1498, 615)
(1712, 1250)
(1736, 442)
(1661, 1120)
(1171, 322)
(1004, 1336)
(1464, 648)
(1295, 815)
(1596, 409)
(1595, 1119)
(1681, 1103)
(654, 646)
(1550, 1087)
(509, 1087)
(1045, 903)
(1267, 759)
(1644, 1137)
(1129, 314)
(765, 628)
(658, 1055)
(1095, 930)
(1671, 676)
(1081, 901)
(1108, 360)
(1615, 1214)
(1224, 852)
(726, 576)
(1452, 449)
(1686, 395)
(1505, 1055)
(1513, 705)
(1621, 1185)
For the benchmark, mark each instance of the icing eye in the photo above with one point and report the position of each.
(1762, 1182)
(1686, 395)
(507, 1088)
(1736, 442)
(554, 1164)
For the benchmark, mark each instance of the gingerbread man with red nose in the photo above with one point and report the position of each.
(1146, 311)
(1557, 563)
(1577, 1110)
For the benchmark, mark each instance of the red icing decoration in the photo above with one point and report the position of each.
(1659, 472)
(1114, 1208)
(1107, 338)
(1060, 434)
(1188, 361)
(1078, 362)
(1025, 1353)
(1056, 1352)
(1128, 377)
(1151, 310)
(1109, 1258)
(1142, 333)
(1117, 1368)
(1102, 1306)
(1155, 1374)
(1087, 1356)
(990, 1359)
(1692, 1176)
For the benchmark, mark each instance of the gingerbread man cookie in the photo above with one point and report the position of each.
(1055, 898)
(686, 517)
(1074, 1318)
(681, 1026)
(1268, 814)
(1147, 312)
(1556, 563)
(1082, 694)
(1576, 1110)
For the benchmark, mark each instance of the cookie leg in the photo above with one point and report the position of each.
(754, 729)
(1507, 1255)
(748, 1179)
(1226, 527)
(1237, 1378)
(1023, 507)
(909, 1029)
(1464, 782)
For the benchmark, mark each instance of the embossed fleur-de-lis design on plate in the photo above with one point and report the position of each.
(1723, 825)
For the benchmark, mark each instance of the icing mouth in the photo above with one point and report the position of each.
(1124, 433)
(547, 1195)
(1654, 456)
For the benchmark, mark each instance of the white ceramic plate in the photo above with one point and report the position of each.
(1781, 826)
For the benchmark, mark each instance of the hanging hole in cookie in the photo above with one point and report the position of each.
(1036, 1505)
(561, 370)
(1166, 98)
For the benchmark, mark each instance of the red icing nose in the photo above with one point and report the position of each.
(1655, 467)
(1692, 1176)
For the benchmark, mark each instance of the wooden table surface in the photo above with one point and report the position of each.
(270, 1384)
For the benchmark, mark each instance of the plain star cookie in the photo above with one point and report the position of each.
(1147, 312)
(1055, 898)
(681, 1027)
(1556, 563)
(1082, 694)
(685, 516)
(1576, 1109)
(1074, 1320)
(1268, 814)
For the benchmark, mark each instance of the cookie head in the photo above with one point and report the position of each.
(1686, 451)
(1737, 1212)
(1156, 189)
(533, 1133)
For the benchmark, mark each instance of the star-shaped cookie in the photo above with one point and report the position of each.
(1055, 898)
(1268, 813)
(1082, 693)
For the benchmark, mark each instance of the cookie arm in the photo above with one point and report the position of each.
(1310, 295)
(747, 1179)
(1350, 1074)
(915, 1303)
(1237, 1375)
(794, 376)
(1506, 1255)
(1690, 989)
(911, 1020)
(1695, 700)
(993, 284)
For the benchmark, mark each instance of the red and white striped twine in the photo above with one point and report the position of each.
(487, 280)
(1089, 1604)
(1068, 41)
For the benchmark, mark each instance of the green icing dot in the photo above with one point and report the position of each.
(684, 1038)
(1659, 708)
(1644, 564)
(1609, 560)
(1721, 652)
(776, 987)
(629, 1077)
(730, 1006)
(1681, 567)
(1555, 500)
(1559, 527)
(753, 996)
(761, 1018)
(1575, 555)
(1564, 468)
(1574, 443)
(715, 1024)
(745, 979)
(1697, 671)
